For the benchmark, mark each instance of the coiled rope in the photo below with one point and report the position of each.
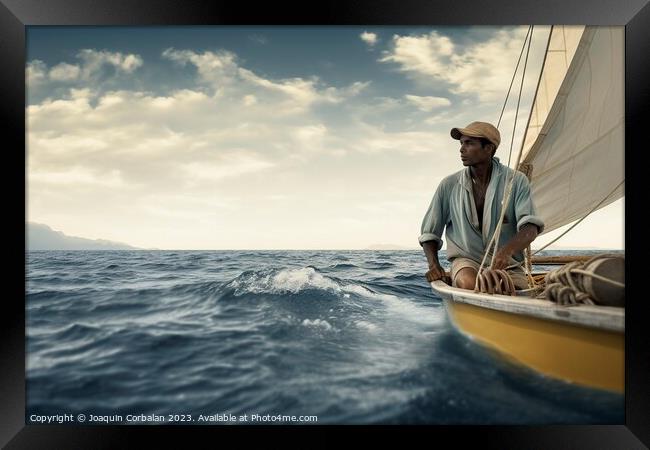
(565, 286)
(495, 282)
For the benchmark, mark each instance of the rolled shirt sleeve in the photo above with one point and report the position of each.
(433, 224)
(524, 206)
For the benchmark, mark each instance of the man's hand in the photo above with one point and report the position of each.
(526, 234)
(501, 259)
(436, 273)
(435, 269)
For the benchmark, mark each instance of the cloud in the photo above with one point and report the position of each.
(300, 93)
(427, 103)
(213, 67)
(98, 157)
(481, 69)
(249, 100)
(77, 176)
(373, 139)
(223, 71)
(157, 142)
(94, 61)
(403, 112)
(36, 72)
(310, 138)
(426, 54)
(93, 65)
(64, 72)
(354, 89)
(230, 165)
(369, 38)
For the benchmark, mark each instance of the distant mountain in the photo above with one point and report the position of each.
(42, 237)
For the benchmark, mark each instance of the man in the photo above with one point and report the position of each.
(468, 204)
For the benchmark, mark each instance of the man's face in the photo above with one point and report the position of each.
(472, 152)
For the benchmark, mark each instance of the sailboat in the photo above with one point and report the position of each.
(573, 154)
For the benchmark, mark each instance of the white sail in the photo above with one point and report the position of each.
(562, 45)
(575, 139)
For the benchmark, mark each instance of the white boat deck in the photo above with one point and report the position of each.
(601, 317)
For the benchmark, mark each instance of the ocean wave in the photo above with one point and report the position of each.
(121, 307)
(410, 277)
(376, 265)
(297, 281)
(281, 281)
(200, 288)
(75, 331)
(341, 266)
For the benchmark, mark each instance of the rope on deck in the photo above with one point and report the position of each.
(565, 286)
(494, 281)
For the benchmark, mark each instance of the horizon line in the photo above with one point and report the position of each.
(292, 249)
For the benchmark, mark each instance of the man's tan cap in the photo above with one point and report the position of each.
(478, 129)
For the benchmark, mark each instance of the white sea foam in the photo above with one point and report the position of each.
(415, 313)
(295, 280)
(283, 281)
(366, 325)
(317, 323)
(365, 292)
(37, 361)
(401, 306)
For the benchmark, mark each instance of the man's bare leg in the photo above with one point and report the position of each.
(466, 278)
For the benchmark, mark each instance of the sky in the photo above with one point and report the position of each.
(232, 137)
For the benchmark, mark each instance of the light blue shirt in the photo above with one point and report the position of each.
(453, 208)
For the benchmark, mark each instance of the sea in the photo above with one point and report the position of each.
(269, 338)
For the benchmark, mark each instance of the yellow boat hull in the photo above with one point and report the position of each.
(587, 356)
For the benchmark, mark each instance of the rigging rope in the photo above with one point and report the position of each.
(513, 76)
(572, 226)
(536, 284)
(561, 286)
(480, 280)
